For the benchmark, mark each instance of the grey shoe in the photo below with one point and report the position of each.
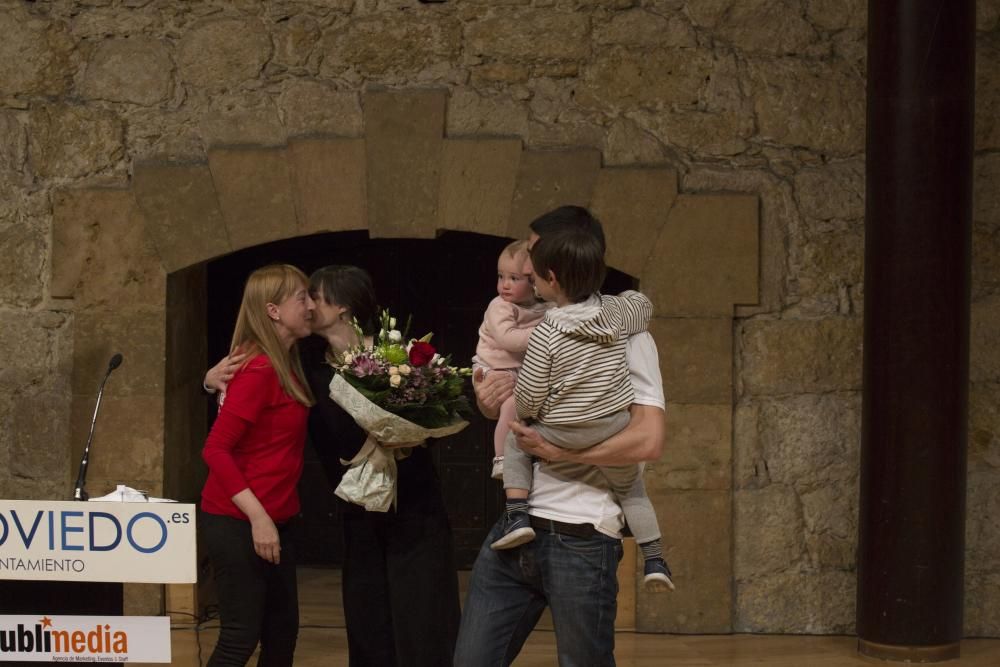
(657, 576)
(516, 531)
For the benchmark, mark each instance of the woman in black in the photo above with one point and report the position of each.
(400, 586)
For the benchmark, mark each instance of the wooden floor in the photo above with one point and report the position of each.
(322, 641)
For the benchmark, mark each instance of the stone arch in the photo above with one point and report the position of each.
(115, 251)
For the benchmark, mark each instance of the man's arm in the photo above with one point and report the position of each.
(641, 440)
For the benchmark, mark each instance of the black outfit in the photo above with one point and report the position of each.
(257, 599)
(400, 585)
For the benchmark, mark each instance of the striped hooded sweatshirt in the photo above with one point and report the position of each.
(575, 368)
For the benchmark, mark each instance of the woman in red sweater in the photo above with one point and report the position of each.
(254, 454)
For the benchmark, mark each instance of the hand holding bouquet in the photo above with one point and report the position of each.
(400, 393)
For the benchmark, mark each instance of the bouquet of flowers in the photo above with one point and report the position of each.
(400, 393)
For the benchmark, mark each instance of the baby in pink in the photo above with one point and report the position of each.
(503, 336)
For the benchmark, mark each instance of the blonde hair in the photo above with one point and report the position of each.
(255, 332)
(516, 250)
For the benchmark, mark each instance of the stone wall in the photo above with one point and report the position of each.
(762, 97)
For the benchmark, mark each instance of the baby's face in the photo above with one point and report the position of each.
(513, 282)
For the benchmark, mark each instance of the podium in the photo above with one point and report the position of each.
(63, 566)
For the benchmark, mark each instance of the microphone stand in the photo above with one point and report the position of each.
(79, 492)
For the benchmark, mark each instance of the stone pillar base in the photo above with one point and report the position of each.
(909, 653)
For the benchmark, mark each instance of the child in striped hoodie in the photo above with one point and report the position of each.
(574, 387)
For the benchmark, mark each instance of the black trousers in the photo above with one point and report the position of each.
(400, 588)
(258, 601)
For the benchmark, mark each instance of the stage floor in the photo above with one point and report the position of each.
(323, 642)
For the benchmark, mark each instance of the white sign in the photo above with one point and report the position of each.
(78, 541)
(84, 638)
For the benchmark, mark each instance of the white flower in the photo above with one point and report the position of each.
(437, 359)
(348, 358)
(404, 369)
(393, 370)
(395, 336)
(395, 380)
(392, 322)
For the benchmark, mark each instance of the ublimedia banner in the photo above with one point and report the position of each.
(84, 638)
(78, 541)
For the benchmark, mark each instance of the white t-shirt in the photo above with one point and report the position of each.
(578, 493)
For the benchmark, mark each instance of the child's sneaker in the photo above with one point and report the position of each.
(657, 579)
(497, 472)
(516, 531)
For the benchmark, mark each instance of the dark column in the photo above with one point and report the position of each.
(918, 228)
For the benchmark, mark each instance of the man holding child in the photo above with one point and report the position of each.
(575, 515)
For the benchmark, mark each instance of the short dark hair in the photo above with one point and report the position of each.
(348, 286)
(569, 217)
(575, 256)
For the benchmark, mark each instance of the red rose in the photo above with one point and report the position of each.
(421, 353)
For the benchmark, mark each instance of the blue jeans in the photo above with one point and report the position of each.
(509, 589)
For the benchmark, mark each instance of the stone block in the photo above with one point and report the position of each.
(138, 336)
(769, 533)
(778, 213)
(705, 259)
(74, 226)
(540, 35)
(632, 204)
(404, 133)
(694, 524)
(765, 26)
(984, 340)
(121, 269)
(39, 430)
(984, 425)
(815, 104)
(833, 191)
(627, 144)
(798, 440)
(254, 186)
(142, 599)
(329, 179)
(389, 42)
(982, 590)
(477, 184)
(35, 54)
(986, 194)
(181, 212)
(242, 120)
(987, 127)
(69, 141)
(294, 40)
(470, 113)
(697, 452)
(830, 515)
(549, 179)
(638, 27)
(837, 14)
(797, 602)
(23, 248)
(222, 53)
(696, 359)
(985, 261)
(128, 441)
(29, 349)
(982, 528)
(656, 78)
(137, 70)
(828, 273)
(309, 107)
(794, 356)
(708, 133)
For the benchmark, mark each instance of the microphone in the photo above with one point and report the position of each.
(79, 493)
